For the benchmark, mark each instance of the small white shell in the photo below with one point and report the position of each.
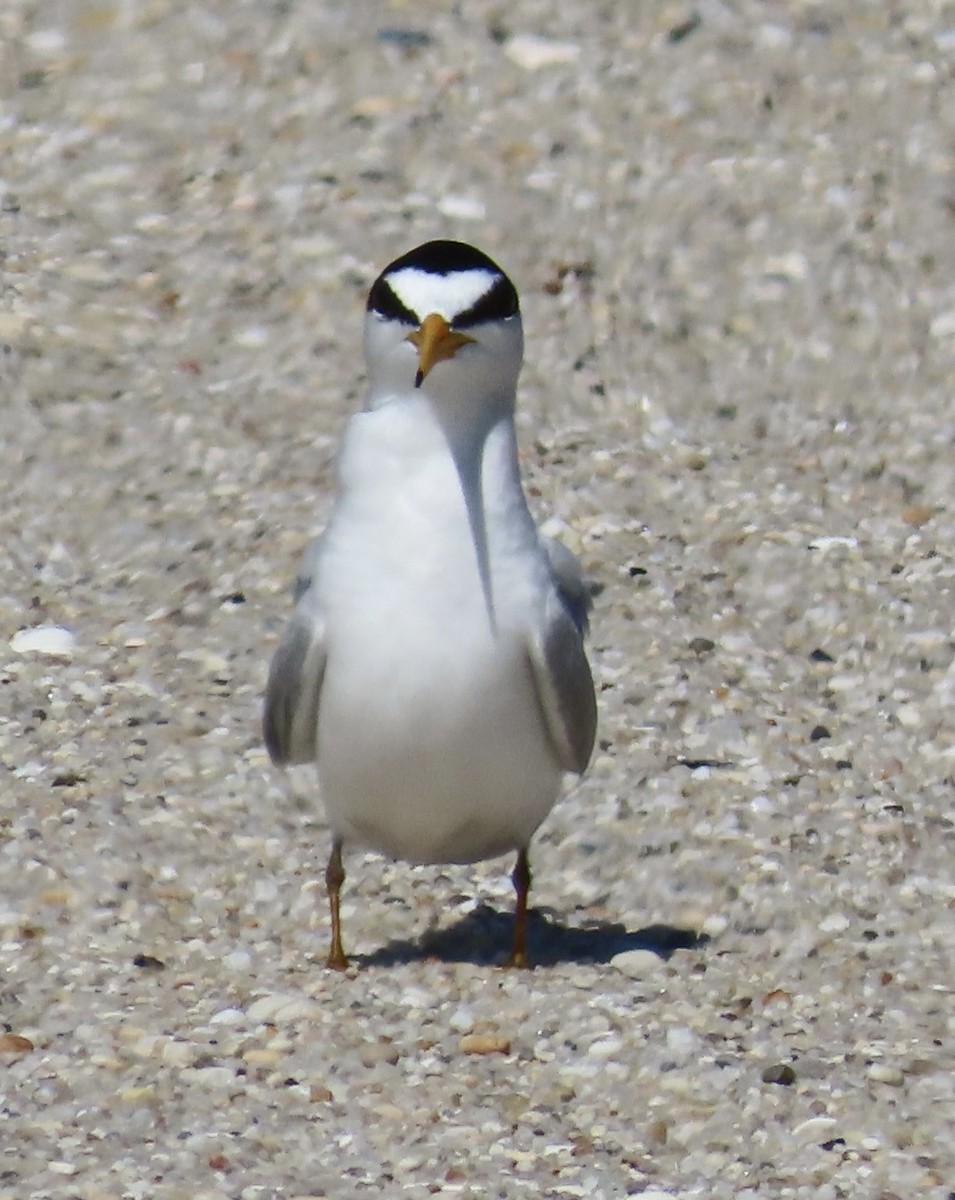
(44, 639)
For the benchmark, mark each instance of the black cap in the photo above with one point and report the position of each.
(444, 258)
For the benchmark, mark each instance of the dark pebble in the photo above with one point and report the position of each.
(779, 1073)
(149, 962)
(408, 39)
(679, 32)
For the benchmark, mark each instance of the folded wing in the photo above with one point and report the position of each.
(565, 688)
(293, 693)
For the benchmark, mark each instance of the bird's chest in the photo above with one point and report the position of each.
(401, 549)
(408, 612)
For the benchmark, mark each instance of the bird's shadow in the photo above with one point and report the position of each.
(483, 938)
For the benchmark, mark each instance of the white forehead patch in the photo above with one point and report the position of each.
(449, 295)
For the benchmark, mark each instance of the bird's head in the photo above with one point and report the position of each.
(443, 321)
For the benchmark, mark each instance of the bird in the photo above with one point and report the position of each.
(434, 665)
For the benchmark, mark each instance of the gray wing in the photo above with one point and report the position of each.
(290, 720)
(565, 687)
(569, 579)
(293, 692)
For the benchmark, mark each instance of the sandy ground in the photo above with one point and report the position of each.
(732, 228)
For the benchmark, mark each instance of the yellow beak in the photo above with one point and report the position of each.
(436, 341)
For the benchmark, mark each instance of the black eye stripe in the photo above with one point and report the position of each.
(382, 300)
(495, 305)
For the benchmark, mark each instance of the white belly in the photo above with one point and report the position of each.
(432, 756)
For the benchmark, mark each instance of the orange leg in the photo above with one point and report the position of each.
(334, 878)
(521, 878)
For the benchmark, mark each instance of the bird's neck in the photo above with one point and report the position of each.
(401, 458)
(408, 431)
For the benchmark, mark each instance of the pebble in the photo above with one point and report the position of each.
(12, 325)
(462, 208)
(637, 964)
(372, 1054)
(176, 1052)
(389, 1112)
(484, 1043)
(681, 1041)
(781, 1073)
(262, 1056)
(909, 715)
(834, 923)
(815, 1129)
(943, 326)
(209, 661)
(406, 39)
(462, 1018)
(228, 1016)
(716, 925)
(276, 1008)
(883, 1073)
(605, 1048)
(532, 52)
(12, 1045)
(238, 960)
(834, 542)
(792, 266)
(214, 1077)
(918, 514)
(253, 337)
(52, 640)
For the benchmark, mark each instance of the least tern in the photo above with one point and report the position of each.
(434, 665)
